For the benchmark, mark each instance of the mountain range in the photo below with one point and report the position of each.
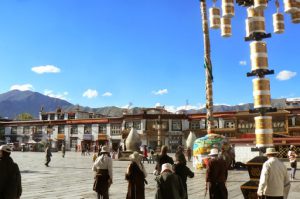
(15, 102)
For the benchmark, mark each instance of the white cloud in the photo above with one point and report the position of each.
(174, 109)
(125, 106)
(243, 63)
(157, 104)
(285, 75)
(160, 92)
(222, 104)
(23, 87)
(171, 109)
(45, 69)
(50, 93)
(107, 94)
(89, 93)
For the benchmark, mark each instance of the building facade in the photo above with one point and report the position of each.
(81, 129)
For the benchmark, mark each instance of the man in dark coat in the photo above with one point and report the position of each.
(169, 185)
(182, 170)
(216, 176)
(135, 176)
(10, 177)
(48, 155)
(162, 159)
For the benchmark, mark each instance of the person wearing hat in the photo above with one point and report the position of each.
(216, 176)
(103, 177)
(274, 180)
(135, 176)
(10, 177)
(169, 185)
(292, 155)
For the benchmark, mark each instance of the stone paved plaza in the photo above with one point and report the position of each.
(72, 177)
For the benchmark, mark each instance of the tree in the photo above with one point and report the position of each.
(24, 116)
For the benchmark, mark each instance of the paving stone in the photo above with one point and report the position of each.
(72, 177)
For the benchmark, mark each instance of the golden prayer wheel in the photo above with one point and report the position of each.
(263, 131)
(263, 122)
(228, 8)
(214, 17)
(278, 23)
(261, 84)
(290, 6)
(296, 17)
(226, 27)
(262, 99)
(251, 12)
(259, 56)
(255, 25)
(260, 4)
(264, 139)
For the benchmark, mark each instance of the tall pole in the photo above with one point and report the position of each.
(158, 123)
(208, 69)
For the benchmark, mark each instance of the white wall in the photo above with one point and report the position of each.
(243, 153)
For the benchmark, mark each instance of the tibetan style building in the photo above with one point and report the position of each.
(77, 129)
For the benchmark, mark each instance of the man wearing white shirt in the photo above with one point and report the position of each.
(274, 181)
(103, 178)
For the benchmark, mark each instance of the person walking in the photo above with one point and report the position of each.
(292, 155)
(145, 154)
(274, 180)
(182, 171)
(189, 153)
(169, 185)
(10, 177)
(83, 150)
(216, 176)
(152, 156)
(48, 155)
(103, 174)
(63, 150)
(136, 177)
(87, 149)
(162, 159)
(232, 154)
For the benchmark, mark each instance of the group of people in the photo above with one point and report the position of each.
(170, 177)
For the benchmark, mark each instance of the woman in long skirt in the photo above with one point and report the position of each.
(103, 178)
(135, 176)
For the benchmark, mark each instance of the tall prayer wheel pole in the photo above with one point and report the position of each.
(255, 34)
(158, 126)
(208, 69)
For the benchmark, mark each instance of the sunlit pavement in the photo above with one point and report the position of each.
(72, 177)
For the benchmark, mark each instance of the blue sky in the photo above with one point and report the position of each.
(112, 52)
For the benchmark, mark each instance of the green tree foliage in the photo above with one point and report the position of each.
(24, 116)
